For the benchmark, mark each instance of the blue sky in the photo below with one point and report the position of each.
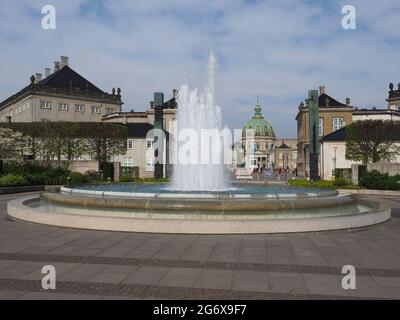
(277, 49)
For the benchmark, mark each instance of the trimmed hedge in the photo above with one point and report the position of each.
(379, 181)
(322, 184)
(77, 178)
(35, 174)
(12, 180)
(338, 183)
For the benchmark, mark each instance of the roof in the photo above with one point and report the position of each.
(259, 124)
(61, 82)
(170, 104)
(375, 111)
(66, 77)
(326, 101)
(139, 130)
(338, 135)
(283, 146)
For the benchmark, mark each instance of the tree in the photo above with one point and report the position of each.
(11, 145)
(72, 147)
(105, 140)
(68, 140)
(372, 140)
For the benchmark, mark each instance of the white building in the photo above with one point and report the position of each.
(333, 145)
(258, 140)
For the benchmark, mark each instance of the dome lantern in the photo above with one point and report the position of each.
(259, 125)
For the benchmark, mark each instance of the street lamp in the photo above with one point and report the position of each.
(334, 162)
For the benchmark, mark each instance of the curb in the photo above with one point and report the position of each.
(368, 192)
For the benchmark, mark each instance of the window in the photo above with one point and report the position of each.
(149, 144)
(128, 161)
(45, 104)
(321, 127)
(95, 110)
(79, 108)
(337, 123)
(109, 110)
(63, 106)
(130, 144)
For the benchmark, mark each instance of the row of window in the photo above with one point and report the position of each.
(78, 107)
(149, 144)
(337, 123)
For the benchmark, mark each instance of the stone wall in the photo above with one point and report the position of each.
(383, 167)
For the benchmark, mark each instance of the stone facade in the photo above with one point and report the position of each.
(258, 141)
(62, 96)
(333, 115)
(285, 154)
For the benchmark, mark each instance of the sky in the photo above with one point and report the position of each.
(275, 49)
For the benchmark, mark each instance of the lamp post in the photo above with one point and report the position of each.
(334, 162)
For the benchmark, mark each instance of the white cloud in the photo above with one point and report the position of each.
(276, 49)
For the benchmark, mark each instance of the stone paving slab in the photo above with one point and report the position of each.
(113, 265)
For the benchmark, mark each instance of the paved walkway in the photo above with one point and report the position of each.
(112, 265)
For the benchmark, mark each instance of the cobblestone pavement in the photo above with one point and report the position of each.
(113, 265)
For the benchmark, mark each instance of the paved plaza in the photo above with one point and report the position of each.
(113, 265)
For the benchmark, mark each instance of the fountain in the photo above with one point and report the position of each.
(197, 113)
(199, 200)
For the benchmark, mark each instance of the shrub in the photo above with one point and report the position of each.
(323, 184)
(130, 171)
(92, 176)
(151, 180)
(77, 178)
(34, 179)
(56, 175)
(24, 168)
(12, 180)
(343, 173)
(380, 181)
(340, 182)
(125, 178)
(36, 174)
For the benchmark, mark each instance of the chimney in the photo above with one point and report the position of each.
(56, 66)
(38, 77)
(47, 72)
(321, 90)
(174, 93)
(64, 61)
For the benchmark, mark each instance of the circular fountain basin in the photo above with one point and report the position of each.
(240, 209)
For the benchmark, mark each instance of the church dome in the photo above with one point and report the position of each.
(259, 124)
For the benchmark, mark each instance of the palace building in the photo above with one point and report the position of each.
(63, 95)
(332, 116)
(333, 119)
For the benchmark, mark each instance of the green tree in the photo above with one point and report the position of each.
(104, 140)
(372, 140)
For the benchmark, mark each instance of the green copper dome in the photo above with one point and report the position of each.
(259, 124)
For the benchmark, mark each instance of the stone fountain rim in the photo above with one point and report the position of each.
(218, 205)
(194, 195)
(18, 210)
